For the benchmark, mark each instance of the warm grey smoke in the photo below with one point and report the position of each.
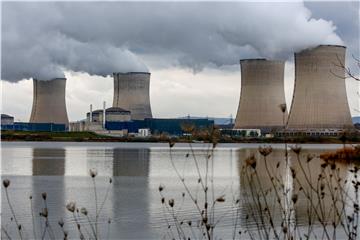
(43, 40)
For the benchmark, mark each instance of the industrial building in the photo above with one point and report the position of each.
(132, 92)
(319, 101)
(7, 123)
(118, 122)
(171, 126)
(49, 104)
(262, 91)
(7, 119)
(95, 120)
(113, 114)
(37, 127)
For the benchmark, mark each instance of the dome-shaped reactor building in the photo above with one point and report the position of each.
(49, 105)
(262, 91)
(132, 92)
(319, 99)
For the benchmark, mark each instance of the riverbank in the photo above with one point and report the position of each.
(93, 137)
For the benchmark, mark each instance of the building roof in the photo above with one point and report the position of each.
(51, 79)
(6, 116)
(129, 73)
(110, 110)
(253, 59)
(116, 109)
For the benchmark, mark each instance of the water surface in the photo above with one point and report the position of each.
(137, 170)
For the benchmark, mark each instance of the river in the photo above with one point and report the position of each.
(137, 170)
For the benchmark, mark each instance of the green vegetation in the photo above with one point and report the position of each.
(52, 136)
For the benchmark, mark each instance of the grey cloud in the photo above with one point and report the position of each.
(44, 39)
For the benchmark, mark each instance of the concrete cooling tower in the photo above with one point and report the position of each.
(262, 91)
(131, 92)
(319, 99)
(49, 104)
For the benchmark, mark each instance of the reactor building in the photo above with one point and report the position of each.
(262, 91)
(319, 101)
(49, 104)
(132, 92)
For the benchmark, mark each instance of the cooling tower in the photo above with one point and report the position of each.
(49, 102)
(262, 91)
(319, 99)
(131, 92)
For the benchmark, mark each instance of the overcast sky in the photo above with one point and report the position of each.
(191, 49)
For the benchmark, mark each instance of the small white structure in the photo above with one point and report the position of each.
(242, 132)
(314, 132)
(144, 132)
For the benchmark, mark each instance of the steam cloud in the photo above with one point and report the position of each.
(42, 40)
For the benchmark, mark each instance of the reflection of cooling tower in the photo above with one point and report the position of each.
(262, 91)
(319, 99)
(131, 92)
(48, 165)
(48, 161)
(131, 162)
(49, 102)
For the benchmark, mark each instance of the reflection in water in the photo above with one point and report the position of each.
(48, 162)
(301, 178)
(131, 162)
(130, 171)
(312, 176)
(133, 204)
(252, 185)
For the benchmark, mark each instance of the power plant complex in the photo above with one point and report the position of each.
(319, 104)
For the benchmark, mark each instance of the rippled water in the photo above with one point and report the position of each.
(137, 170)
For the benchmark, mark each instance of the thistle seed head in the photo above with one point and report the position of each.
(171, 202)
(251, 161)
(44, 195)
(294, 198)
(6, 183)
(171, 144)
(282, 107)
(71, 206)
(93, 172)
(44, 213)
(266, 150)
(309, 157)
(61, 223)
(221, 199)
(84, 211)
(296, 149)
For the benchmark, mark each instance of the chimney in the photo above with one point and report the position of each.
(91, 113)
(104, 114)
